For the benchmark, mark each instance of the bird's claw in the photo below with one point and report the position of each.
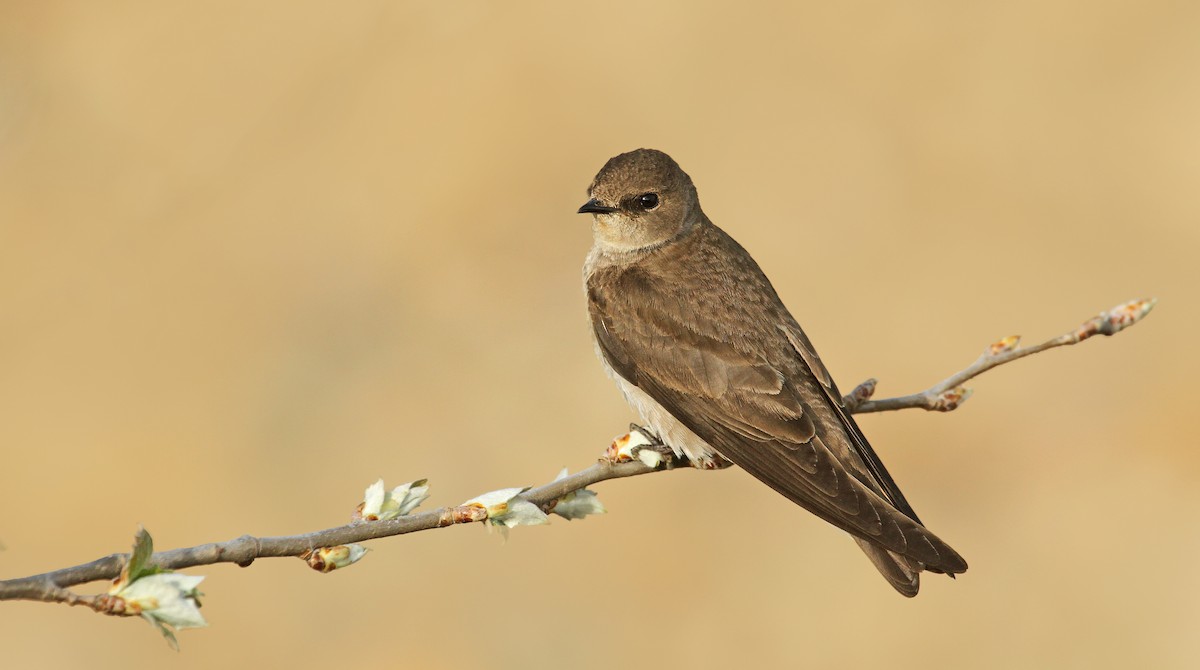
(645, 432)
(640, 444)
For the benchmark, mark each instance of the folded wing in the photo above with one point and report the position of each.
(770, 408)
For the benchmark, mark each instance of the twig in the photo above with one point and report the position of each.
(949, 393)
(50, 586)
(945, 396)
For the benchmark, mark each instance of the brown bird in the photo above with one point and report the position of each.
(702, 347)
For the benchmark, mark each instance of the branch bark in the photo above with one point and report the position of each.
(243, 551)
(949, 393)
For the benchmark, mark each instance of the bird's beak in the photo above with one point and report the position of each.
(593, 206)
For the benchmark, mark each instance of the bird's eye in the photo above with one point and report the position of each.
(648, 201)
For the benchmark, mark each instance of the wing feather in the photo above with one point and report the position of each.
(772, 418)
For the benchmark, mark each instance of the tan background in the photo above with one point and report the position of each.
(255, 255)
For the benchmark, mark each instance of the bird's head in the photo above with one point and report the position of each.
(640, 199)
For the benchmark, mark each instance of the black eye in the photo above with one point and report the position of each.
(648, 201)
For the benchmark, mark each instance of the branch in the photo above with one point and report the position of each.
(634, 454)
(244, 550)
(949, 393)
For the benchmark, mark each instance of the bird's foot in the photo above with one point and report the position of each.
(649, 437)
(642, 444)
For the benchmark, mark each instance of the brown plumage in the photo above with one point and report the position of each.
(696, 337)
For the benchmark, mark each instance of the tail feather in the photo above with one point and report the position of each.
(903, 574)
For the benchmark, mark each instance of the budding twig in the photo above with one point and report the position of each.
(244, 550)
(949, 393)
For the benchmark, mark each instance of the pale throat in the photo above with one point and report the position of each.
(616, 234)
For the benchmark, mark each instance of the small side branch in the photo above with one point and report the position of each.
(949, 393)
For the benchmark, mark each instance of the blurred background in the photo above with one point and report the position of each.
(255, 255)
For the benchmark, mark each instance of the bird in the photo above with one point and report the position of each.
(702, 347)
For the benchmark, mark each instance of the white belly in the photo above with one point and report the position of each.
(680, 438)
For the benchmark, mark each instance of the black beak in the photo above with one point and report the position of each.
(593, 206)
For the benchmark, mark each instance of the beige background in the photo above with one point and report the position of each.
(255, 255)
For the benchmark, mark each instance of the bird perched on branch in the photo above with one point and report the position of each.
(702, 347)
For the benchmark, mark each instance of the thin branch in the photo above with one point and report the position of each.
(944, 396)
(244, 550)
(949, 393)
